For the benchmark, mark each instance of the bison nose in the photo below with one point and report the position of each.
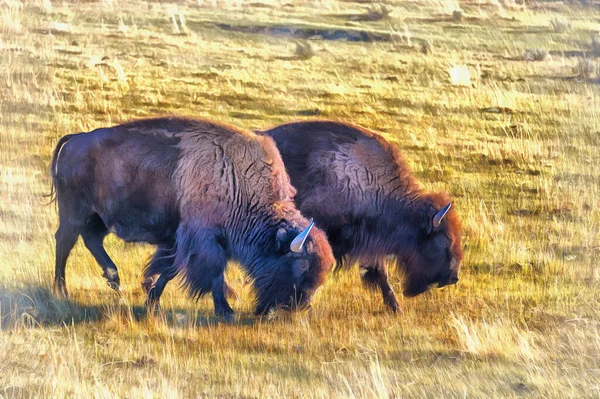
(454, 280)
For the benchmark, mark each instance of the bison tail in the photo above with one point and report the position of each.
(54, 167)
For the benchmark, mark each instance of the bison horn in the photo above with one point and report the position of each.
(298, 242)
(437, 219)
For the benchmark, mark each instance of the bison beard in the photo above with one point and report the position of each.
(360, 191)
(204, 193)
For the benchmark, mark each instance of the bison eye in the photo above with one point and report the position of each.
(301, 265)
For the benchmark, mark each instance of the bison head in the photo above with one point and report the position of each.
(436, 253)
(294, 270)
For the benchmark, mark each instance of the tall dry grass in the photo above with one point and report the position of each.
(517, 146)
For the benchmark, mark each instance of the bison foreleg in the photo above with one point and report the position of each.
(159, 271)
(222, 307)
(375, 275)
(155, 292)
(203, 260)
(93, 236)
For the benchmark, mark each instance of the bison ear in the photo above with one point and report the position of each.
(281, 239)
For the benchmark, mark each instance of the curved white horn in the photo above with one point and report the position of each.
(298, 242)
(437, 219)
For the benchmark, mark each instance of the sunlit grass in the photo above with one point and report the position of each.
(516, 144)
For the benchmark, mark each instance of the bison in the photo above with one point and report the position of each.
(360, 191)
(202, 192)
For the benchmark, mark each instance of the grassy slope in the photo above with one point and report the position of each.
(524, 320)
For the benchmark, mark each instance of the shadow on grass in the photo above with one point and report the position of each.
(34, 306)
(193, 318)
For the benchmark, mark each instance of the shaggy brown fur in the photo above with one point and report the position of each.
(203, 192)
(359, 189)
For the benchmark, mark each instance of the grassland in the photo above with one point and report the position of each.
(524, 319)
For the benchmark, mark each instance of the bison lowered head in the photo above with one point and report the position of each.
(297, 268)
(435, 255)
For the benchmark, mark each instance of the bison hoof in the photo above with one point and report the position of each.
(227, 315)
(60, 291)
(152, 307)
(392, 303)
(229, 318)
(395, 308)
(147, 285)
(112, 277)
(114, 285)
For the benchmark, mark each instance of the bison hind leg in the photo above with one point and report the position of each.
(93, 237)
(373, 276)
(66, 237)
(369, 276)
(73, 214)
(202, 259)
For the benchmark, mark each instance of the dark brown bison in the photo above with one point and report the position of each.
(204, 193)
(360, 191)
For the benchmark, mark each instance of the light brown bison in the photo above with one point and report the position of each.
(204, 193)
(360, 191)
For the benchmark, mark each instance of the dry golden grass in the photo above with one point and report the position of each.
(517, 145)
